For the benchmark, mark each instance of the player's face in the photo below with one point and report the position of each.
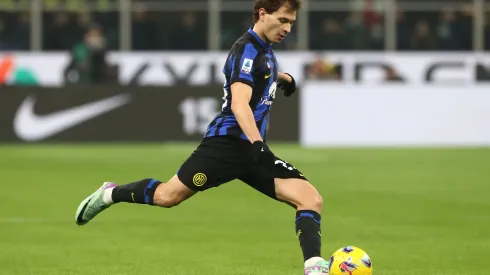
(279, 24)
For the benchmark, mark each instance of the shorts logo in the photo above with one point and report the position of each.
(199, 179)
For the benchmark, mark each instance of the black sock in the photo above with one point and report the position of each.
(309, 233)
(137, 192)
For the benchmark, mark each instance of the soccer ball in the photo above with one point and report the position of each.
(350, 260)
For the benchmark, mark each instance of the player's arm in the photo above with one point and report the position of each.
(284, 78)
(242, 83)
(242, 80)
(240, 106)
(286, 83)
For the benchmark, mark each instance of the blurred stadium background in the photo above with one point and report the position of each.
(132, 25)
(391, 123)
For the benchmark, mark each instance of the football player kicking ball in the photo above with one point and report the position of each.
(234, 144)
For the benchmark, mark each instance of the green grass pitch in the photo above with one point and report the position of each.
(415, 211)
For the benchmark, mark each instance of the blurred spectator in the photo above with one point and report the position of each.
(360, 26)
(422, 38)
(230, 32)
(88, 63)
(357, 32)
(60, 34)
(373, 19)
(402, 31)
(144, 32)
(189, 36)
(14, 31)
(447, 31)
(21, 31)
(466, 27)
(3, 36)
(332, 37)
(487, 31)
(84, 22)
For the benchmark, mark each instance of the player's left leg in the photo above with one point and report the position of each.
(286, 184)
(308, 203)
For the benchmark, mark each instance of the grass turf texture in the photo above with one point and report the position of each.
(415, 211)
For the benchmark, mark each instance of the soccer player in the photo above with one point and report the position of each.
(234, 145)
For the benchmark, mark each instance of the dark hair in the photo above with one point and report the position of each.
(272, 6)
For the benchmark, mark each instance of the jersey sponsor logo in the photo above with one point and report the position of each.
(199, 179)
(247, 65)
(272, 90)
(265, 101)
(32, 127)
(269, 99)
(267, 76)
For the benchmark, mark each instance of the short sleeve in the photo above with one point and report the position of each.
(242, 66)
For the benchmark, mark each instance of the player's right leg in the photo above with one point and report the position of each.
(214, 162)
(145, 191)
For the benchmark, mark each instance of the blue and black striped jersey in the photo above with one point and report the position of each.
(251, 61)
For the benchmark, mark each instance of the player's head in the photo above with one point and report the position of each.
(274, 18)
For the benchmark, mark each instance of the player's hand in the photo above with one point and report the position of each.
(262, 154)
(289, 88)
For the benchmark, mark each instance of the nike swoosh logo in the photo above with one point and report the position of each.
(267, 76)
(30, 127)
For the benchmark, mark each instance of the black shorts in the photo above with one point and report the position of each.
(219, 160)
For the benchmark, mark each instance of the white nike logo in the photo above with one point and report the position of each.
(30, 127)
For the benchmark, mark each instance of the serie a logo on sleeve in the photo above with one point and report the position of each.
(247, 65)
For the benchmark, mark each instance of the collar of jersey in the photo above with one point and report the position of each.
(261, 42)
